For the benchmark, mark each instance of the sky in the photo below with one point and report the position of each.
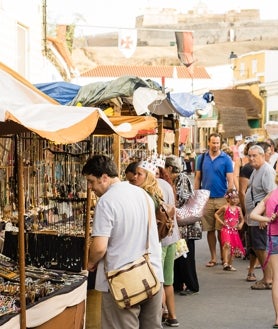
(122, 13)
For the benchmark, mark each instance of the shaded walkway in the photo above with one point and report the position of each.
(225, 300)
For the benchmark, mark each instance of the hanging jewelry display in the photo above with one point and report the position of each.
(55, 201)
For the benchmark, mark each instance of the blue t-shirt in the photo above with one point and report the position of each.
(214, 173)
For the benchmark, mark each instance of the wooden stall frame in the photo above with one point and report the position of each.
(21, 238)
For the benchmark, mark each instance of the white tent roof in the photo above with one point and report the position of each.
(24, 107)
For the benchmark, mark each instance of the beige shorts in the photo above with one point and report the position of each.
(208, 220)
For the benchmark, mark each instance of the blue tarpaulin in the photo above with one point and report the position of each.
(186, 104)
(62, 92)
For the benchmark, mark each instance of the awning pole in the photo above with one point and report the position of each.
(21, 240)
(160, 135)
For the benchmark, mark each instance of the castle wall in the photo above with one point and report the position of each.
(157, 28)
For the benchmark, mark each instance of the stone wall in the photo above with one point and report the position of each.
(209, 33)
(245, 25)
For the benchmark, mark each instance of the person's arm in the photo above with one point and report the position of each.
(230, 180)
(97, 251)
(219, 213)
(243, 184)
(197, 180)
(198, 171)
(241, 219)
(257, 213)
(236, 174)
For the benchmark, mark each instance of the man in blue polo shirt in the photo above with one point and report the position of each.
(214, 173)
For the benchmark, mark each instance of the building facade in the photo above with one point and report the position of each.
(258, 72)
(22, 41)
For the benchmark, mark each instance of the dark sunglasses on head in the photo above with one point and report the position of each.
(175, 170)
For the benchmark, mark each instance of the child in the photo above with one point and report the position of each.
(233, 221)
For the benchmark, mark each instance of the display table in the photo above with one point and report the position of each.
(52, 312)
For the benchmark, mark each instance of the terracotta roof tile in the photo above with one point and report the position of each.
(114, 71)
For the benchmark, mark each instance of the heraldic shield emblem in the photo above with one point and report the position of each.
(127, 42)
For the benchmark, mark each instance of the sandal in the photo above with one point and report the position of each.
(260, 285)
(251, 277)
(165, 316)
(211, 263)
(227, 267)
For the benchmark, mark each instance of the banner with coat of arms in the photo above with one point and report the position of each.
(127, 42)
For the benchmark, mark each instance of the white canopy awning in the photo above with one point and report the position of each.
(23, 107)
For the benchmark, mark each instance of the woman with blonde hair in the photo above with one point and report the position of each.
(154, 180)
(145, 178)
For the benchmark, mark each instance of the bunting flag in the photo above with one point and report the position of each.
(184, 42)
(127, 42)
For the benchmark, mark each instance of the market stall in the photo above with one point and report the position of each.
(44, 146)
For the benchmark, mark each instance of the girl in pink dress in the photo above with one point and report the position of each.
(231, 217)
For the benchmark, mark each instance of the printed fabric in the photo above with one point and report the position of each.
(184, 189)
(229, 232)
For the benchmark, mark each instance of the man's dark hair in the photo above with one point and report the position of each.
(214, 135)
(270, 142)
(99, 165)
(264, 145)
(132, 167)
(247, 147)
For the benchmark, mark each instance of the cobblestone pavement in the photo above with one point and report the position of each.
(225, 299)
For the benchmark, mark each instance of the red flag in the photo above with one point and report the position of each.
(185, 47)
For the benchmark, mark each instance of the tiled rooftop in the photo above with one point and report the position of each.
(180, 72)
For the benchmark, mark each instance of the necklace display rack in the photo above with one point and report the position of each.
(45, 215)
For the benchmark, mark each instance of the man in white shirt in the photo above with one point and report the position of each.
(119, 235)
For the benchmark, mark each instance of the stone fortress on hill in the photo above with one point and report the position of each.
(156, 27)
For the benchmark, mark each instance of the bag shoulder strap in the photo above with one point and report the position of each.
(201, 165)
(251, 188)
(149, 226)
(202, 160)
(148, 233)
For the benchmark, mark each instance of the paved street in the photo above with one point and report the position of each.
(225, 300)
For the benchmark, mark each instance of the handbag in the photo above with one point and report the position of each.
(192, 211)
(134, 282)
(165, 219)
(192, 231)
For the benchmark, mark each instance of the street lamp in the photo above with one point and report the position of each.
(231, 58)
(232, 55)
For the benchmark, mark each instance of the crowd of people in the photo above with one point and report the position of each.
(250, 174)
(242, 203)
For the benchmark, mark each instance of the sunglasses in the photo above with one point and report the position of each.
(175, 170)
